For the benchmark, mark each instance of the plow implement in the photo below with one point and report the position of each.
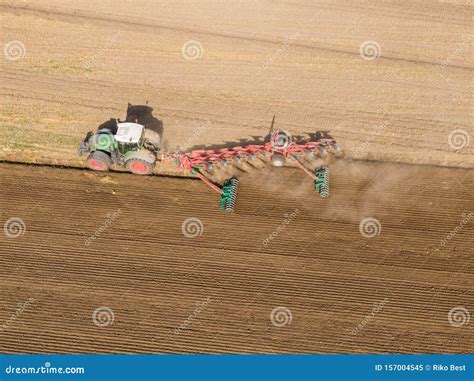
(280, 151)
(128, 145)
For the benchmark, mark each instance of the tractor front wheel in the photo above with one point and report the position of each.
(99, 161)
(139, 166)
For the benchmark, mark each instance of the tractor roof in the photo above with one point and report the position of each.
(128, 132)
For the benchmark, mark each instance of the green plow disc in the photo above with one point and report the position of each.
(229, 194)
(321, 183)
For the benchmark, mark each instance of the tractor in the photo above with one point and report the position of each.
(135, 144)
(128, 144)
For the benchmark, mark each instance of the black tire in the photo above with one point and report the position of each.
(99, 161)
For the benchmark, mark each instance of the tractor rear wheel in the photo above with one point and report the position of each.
(99, 161)
(139, 166)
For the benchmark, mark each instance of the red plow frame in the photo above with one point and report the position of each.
(280, 149)
(280, 143)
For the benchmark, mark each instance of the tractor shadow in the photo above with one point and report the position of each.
(141, 114)
(259, 140)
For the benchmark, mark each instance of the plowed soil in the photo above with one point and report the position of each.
(168, 292)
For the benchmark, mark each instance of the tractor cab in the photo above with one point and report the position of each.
(129, 136)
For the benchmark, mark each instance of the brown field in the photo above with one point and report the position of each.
(85, 60)
(289, 272)
(397, 287)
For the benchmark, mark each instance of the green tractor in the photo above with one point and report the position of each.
(126, 144)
